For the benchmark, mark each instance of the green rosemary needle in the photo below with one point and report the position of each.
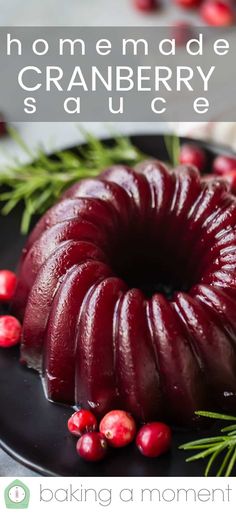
(222, 446)
(172, 143)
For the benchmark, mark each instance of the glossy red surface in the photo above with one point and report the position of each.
(193, 155)
(81, 422)
(92, 447)
(10, 331)
(154, 439)
(127, 289)
(8, 282)
(218, 13)
(223, 165)
(119, 428)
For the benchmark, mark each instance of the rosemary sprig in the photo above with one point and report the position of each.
(212, 447)
(40, 183)
(172, 143)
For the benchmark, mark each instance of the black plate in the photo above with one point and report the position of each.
(33, 431)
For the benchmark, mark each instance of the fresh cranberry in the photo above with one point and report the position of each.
(154, 439)
(10, 331)
(192, 155)
(188, 4)
(3, 126)
(231, 180)
(145, 5)
(217, 12)
(182, 32)
(118, 427)
(7, 285)
(82, 421)
(92, 446)
(223, 165)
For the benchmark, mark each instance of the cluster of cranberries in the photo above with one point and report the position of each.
(223, 166)
(10, 327)
(218, 13)
(117, 429)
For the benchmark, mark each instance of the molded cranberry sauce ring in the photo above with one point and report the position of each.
(131, 286)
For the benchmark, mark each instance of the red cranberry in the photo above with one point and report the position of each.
(154, 439)
(82, 421)
(192, 155)
(223, 164)
(7, 285)
(217, 12)
(3, 126)
(188, 4)
(145, 5)
(231, 179)
(10, 331)
(118, 427)
(92, 446)
(182, 32)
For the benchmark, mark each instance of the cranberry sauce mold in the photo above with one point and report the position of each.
(127, 293)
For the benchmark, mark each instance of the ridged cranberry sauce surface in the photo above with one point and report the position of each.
(127, 292)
